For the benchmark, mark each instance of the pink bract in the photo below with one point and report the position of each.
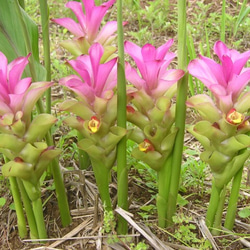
(152, 63)
(18, 94)
(95, 79)
(88, 24)
(226, 79)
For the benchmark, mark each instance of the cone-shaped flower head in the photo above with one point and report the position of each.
(151, 109)
(17, 96)
(87, 30)
(95, 79)
(152, 63)
(224, 128)
(226, 79)
(96, 104)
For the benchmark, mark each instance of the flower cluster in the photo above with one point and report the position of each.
(87, 30)
(224, 128)
(20, 138)
(150, 107)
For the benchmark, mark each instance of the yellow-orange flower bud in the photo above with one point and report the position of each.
(146, 146)
(94, 124)
(234, 117)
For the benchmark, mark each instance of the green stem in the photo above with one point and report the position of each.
(102, 175)
(46, 48)
(122, 172)
(21, 223)
(60, 188)
(61, 193)
(38, 212)
(223, 21)
(180, 114)
(164, 176)
(213, 205)
(29, 211)
(84, 161)
(218, 216)
(232, 205)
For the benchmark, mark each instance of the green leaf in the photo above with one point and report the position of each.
(12, 38)
(244, 213)
(181, 201)
(2, 201)
(12, 206)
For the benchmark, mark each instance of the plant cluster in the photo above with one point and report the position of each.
(153, 101)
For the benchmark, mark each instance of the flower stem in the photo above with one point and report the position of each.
(219, 212)
(122, 172)
(164, 176)
(46, 48)
(21, 223)
(213, 205)
(38, 212)
(60, 188)
(28, 210)
(223, 21)
(180, 114)
(102, 175)
(232, 205)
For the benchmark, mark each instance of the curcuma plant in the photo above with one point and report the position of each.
(151, 110)
(87, 30)
(21, 140)
(95, 110)
(224, 129)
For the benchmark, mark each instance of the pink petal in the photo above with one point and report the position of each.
(220, 49)
(3, 69)
(71, 25)
(15, 71)
(22, 85)
(77, 8)
(135, 52)
(167, 60)
(240, 62)
(4, 108)
(238, 83)
(218, 90)
(95, 54)
(80, 88)
(94, 16)
(152, 72)
(107, 77)
(227, 67)
(133, 77)
(82, 66)
(170, 78)
(107, 30)
(16, 101)
(35, 91)
(173, 75)
(162, 50)
(148, 52)
(225, 103)
(207, 70)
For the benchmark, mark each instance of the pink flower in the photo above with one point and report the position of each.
(88, 25)
(18, 94)
(226, 80)
(95, 79)
(152, 63)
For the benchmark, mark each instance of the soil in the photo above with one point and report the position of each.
(86, 229)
